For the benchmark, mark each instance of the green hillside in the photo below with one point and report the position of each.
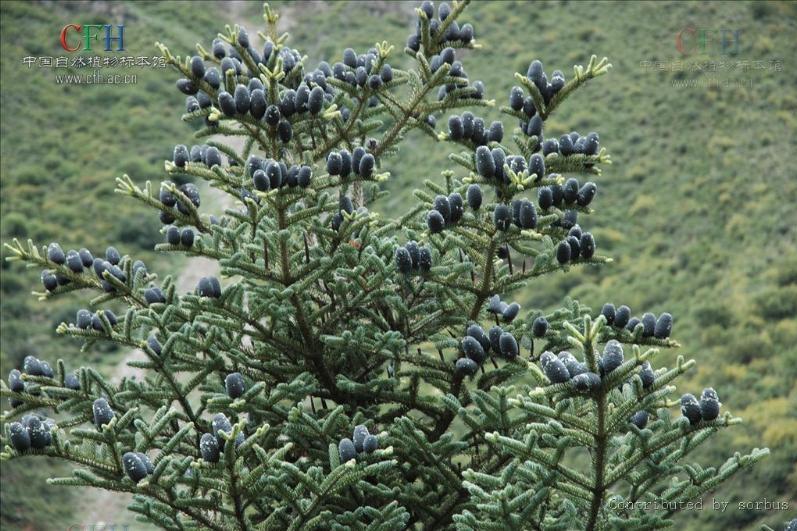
(62, 147)
(698, 209)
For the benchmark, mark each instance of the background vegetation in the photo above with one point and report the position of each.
(699, 208)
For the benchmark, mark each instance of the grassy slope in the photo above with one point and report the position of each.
(62, 147)
(698, 209)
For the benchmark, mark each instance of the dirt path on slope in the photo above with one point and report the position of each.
(108, 508)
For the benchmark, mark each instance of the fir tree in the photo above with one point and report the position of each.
(345, 371)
